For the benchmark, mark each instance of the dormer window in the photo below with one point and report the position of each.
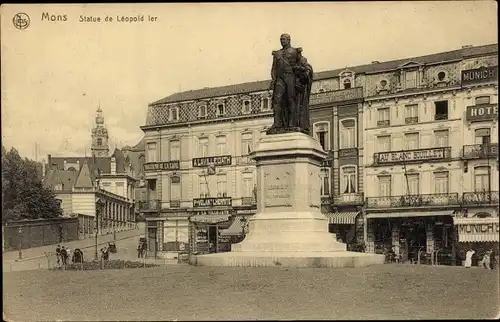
(347, 83)
(221, 109)
(202, 111)
(266, 104)
(173, 114)
(247, 107)
(411, 79)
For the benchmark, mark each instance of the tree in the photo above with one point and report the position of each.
(23, 194)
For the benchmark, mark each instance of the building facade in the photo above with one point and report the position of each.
(396, 133)
(416, 133)
(100, 189)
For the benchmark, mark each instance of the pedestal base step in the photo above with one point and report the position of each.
(288, 259)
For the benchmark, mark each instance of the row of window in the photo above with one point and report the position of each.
(220, 109)
(412, 112)
(441, 139)
(204, 184)
(441, 183)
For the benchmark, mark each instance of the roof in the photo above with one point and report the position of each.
(65, 177)
(120, 161)
(102, 164)
(368, 68)
(85, 178)
(140, 146)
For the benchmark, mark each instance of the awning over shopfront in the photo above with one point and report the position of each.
(472, 230)
(342, 218)
(409, 214)
(236, 227)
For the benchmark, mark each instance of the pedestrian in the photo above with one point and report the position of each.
(64, 256)
(68, 250)
(58, 254)
(139, 250)
(486, 259)
(106, 253)
(468, 257)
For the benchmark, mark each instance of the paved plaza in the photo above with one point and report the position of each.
(182, 292)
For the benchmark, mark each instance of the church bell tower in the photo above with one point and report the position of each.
(99, 146)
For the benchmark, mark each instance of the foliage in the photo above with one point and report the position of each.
(111, 264)
(23, 193)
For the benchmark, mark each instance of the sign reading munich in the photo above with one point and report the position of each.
(218, 161)
(479, 75)
(416, 155)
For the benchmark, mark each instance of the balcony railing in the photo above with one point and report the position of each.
(439, 117)
(383, 123)
(409, 156)
(175, 203)
(248, 201)
(411, 120)
(438, 199)
(148, 205)
(480, 151)
(348, 199)
(480, 198)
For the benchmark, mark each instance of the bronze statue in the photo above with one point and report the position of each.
(291, 80)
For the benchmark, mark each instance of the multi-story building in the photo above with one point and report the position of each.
(479, 221)
(336, 115)
(415, 132)
(98, 186)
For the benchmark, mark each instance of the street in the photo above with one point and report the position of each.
(392, 291)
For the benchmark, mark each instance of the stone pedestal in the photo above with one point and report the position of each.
(289, 229)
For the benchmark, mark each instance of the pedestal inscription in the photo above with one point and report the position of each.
(314, 189)
(278, 188)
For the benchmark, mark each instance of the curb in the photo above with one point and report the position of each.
(43, 256)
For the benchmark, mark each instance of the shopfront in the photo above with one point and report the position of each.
(479, 234)
(425, 237)
(205, 228)
(345, 225)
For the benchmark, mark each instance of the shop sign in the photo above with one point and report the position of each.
(415, 155)
(212, 202)
(482, 112)
(336, 96)
(168, 165)
(211, 216)
(475, 228)
(218, 161)
(479, 75)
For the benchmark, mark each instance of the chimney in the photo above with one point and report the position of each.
(113, 165)
(65, 165)
(78, 165)
(49, 161)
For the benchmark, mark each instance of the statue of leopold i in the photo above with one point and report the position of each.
(291, 80)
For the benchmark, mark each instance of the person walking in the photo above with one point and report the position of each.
(64, 256)
(468, 258)
(58, 254)
(486, 259)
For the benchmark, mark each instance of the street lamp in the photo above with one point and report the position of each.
(20, 232)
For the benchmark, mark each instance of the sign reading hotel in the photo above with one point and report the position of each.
(218, 161)
(409, 156)
(336, 96)
(169, 165)
(482, 112)
(479, 75)
(212, 202)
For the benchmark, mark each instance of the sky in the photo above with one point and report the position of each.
(55, 74)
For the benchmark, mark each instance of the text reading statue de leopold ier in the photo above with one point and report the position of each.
(291, 80)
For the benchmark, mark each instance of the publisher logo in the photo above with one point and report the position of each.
(21, 21)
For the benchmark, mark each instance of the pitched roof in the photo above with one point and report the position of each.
(85, 177)
(65, 177)
(368, 68)
(120, 161)
(102, 164)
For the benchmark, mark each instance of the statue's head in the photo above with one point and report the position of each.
(285, 40)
